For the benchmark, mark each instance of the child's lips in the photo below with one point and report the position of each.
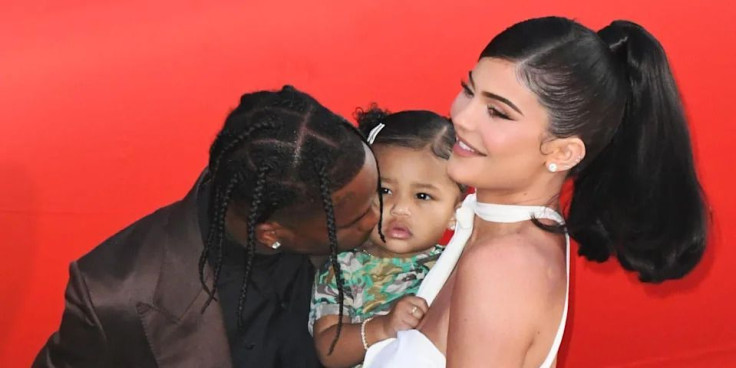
(398, 231)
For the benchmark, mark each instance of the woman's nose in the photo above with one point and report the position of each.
(460, 112)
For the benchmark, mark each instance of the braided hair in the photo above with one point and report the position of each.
(277, 150)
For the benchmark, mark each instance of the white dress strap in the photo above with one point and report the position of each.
(552, 355)
(437, 276)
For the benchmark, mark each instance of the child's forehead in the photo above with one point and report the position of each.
(412, 167)
(391, 156)
(397, 151)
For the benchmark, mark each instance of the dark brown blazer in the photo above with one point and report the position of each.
(136, 300)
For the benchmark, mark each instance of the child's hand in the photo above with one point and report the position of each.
(406, 314)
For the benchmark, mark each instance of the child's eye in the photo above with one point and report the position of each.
(384, 190)
(495, 113)
(466, 89)
(424, 196)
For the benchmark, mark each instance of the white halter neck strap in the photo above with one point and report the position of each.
(505, 213)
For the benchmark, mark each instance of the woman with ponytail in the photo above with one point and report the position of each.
(551, 100)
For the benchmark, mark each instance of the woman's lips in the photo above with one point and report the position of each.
(465, 150)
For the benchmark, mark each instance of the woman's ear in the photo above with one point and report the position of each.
(562, 154)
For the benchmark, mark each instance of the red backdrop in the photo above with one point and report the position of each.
(107, 110)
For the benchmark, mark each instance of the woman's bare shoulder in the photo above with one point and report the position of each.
(504, 292)
(533, 264)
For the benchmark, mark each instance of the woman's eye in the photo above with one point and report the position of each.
(384, 190)
(424, 196)
(466, 89)
(495, 113)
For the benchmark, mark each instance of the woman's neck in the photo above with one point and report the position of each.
(545, 193)
(486, 230)
(546, 197)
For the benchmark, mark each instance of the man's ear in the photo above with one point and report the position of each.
(270, 232)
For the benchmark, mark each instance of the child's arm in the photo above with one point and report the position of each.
(405, 314)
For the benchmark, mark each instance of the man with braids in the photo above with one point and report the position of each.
(286, 179)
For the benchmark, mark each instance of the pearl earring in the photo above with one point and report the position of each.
(276, 245)
(552, 167)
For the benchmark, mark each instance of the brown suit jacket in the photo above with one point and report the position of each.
(136, 300)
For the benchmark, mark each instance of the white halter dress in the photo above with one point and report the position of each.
(411, 348)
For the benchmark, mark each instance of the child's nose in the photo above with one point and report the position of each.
(400, 208)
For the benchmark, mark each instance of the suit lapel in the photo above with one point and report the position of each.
(179, 333)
